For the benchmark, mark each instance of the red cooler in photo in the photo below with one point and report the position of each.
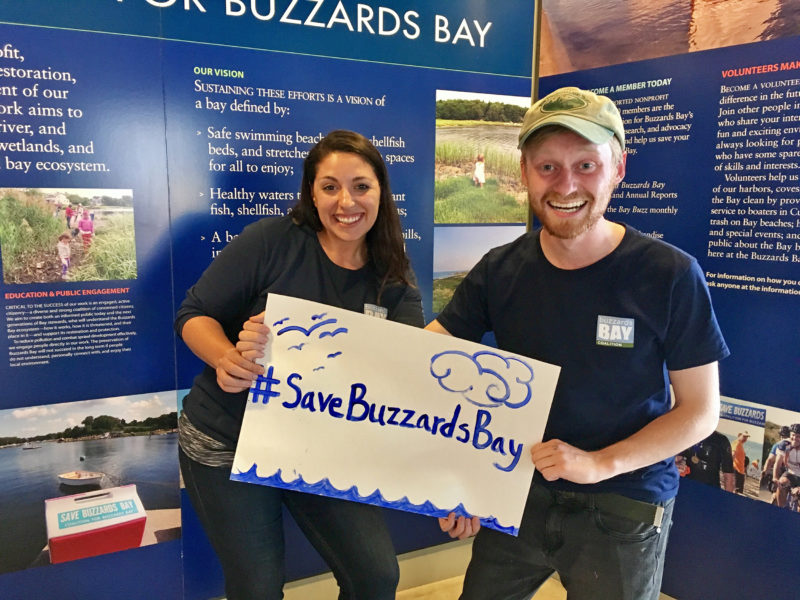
(94, 523)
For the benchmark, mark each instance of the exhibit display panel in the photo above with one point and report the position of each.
(137, 138)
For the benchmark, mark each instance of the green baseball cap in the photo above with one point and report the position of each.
(594, 117)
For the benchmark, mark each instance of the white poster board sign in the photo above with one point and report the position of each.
(359, 408)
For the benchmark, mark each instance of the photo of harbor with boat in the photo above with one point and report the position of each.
(80, 479)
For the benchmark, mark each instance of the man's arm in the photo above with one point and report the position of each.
(728, 482)
(435, 327)
(693, 417)
(777, 470)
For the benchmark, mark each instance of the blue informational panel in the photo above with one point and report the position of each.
(87, 124)
(714, 168)
(138, 137)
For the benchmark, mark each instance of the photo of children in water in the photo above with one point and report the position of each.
(98, 243)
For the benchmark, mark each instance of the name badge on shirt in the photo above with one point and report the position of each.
(614, 331)
(373, 310)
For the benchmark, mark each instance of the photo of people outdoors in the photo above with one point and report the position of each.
(752, 456)
(52, 235)
(780, 473)
(477, 160)
(112, 452)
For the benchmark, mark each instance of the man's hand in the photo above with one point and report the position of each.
(555, 459)
(459, 527)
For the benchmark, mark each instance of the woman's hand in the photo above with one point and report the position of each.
(236, 368)
(253, 338)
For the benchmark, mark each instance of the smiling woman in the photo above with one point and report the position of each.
(347, 196)
(345, 175)
(341, 245)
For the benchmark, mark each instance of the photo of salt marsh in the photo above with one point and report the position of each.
(477, 160)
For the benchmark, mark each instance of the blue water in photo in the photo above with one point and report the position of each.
(28, 477)
(443, 274)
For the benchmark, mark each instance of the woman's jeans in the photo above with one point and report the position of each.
(244, 524)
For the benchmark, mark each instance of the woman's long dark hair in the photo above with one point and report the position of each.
(385, 246)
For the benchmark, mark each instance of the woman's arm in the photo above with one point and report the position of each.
(235, 364)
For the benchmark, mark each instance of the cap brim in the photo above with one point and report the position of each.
(591, 131)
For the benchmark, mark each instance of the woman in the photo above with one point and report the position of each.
(341, 245)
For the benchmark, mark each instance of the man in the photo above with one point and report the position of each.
(778, 448)
(615, 310)
(710, 461)
(740, 461)
(789, 466)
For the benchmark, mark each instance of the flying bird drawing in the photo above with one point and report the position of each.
(333, 333)
(303, 330)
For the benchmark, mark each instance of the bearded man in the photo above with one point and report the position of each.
(625, 316)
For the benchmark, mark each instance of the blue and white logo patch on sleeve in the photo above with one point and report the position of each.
(614, 331)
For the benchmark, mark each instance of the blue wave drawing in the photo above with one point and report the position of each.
(280, 322)
(334, 354)
(319, 316)
(303, 330)
(325, 488)
(318, 368)
(297, 347)
(333, 333)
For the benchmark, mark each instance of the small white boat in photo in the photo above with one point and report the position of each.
(31, 446)
(81, 478)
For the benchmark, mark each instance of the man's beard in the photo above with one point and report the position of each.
(568, 229)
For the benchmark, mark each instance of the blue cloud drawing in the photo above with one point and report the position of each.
(334, 354)
(485, 378)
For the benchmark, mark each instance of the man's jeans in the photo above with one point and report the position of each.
(245, 526)
(596, 553)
